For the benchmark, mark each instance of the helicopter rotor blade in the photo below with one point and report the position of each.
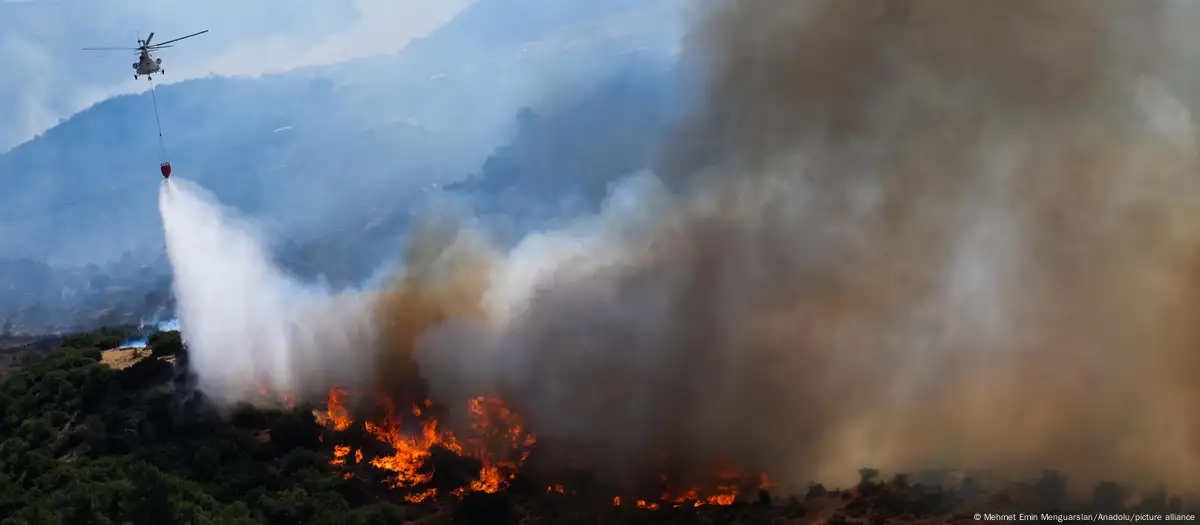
(111, 48)
(158, 46)
(182, 37)
(148, 39)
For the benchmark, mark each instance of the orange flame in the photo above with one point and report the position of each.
(491, 421)
(418, 497)
(409, 452)
(497, 438)
(489, 480)
(339, 454)
(335, 415)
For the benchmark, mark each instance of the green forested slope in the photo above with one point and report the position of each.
(82, 444)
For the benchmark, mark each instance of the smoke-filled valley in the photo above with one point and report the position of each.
(908, 236)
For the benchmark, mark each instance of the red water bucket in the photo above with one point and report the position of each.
(165, 168)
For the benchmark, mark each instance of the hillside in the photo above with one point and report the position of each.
(84, 443)
(387, 125)
(80, 231)
(559, 161)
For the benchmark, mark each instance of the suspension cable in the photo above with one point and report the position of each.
(161, 145)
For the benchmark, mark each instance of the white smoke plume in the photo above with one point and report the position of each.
(249, 327)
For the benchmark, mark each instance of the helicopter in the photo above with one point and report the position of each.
(147, 64)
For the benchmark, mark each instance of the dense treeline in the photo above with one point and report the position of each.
(83, 444)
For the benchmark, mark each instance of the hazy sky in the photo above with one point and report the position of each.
(46, 77)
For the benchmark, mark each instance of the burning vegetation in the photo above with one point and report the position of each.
(492, 468)
(401, 445)
(413, 452)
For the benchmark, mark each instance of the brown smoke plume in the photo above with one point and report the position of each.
(445, 278)
(904, 234)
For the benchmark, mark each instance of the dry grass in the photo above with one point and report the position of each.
(121, 358)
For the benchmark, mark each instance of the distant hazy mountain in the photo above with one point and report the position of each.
(322, 152)
(430, 112)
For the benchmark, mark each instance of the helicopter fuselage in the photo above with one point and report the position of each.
(147, 65)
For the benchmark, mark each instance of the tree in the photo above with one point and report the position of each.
(93, 434)
(79, 341)
(37, 431)
(165, 343)
(382, 514)
(109, 342)
(86, 504)
(239, 514)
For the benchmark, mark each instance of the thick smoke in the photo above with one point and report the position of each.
(902, 234)
(906, 234)
(250, 329)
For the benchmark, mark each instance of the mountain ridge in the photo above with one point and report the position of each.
(79, 206)
(226, 124)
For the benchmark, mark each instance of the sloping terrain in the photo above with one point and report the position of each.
(84, 443)
(430, 112)
(377, 133)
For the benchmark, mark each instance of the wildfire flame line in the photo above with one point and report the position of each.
(497, 439)
(409, 452)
